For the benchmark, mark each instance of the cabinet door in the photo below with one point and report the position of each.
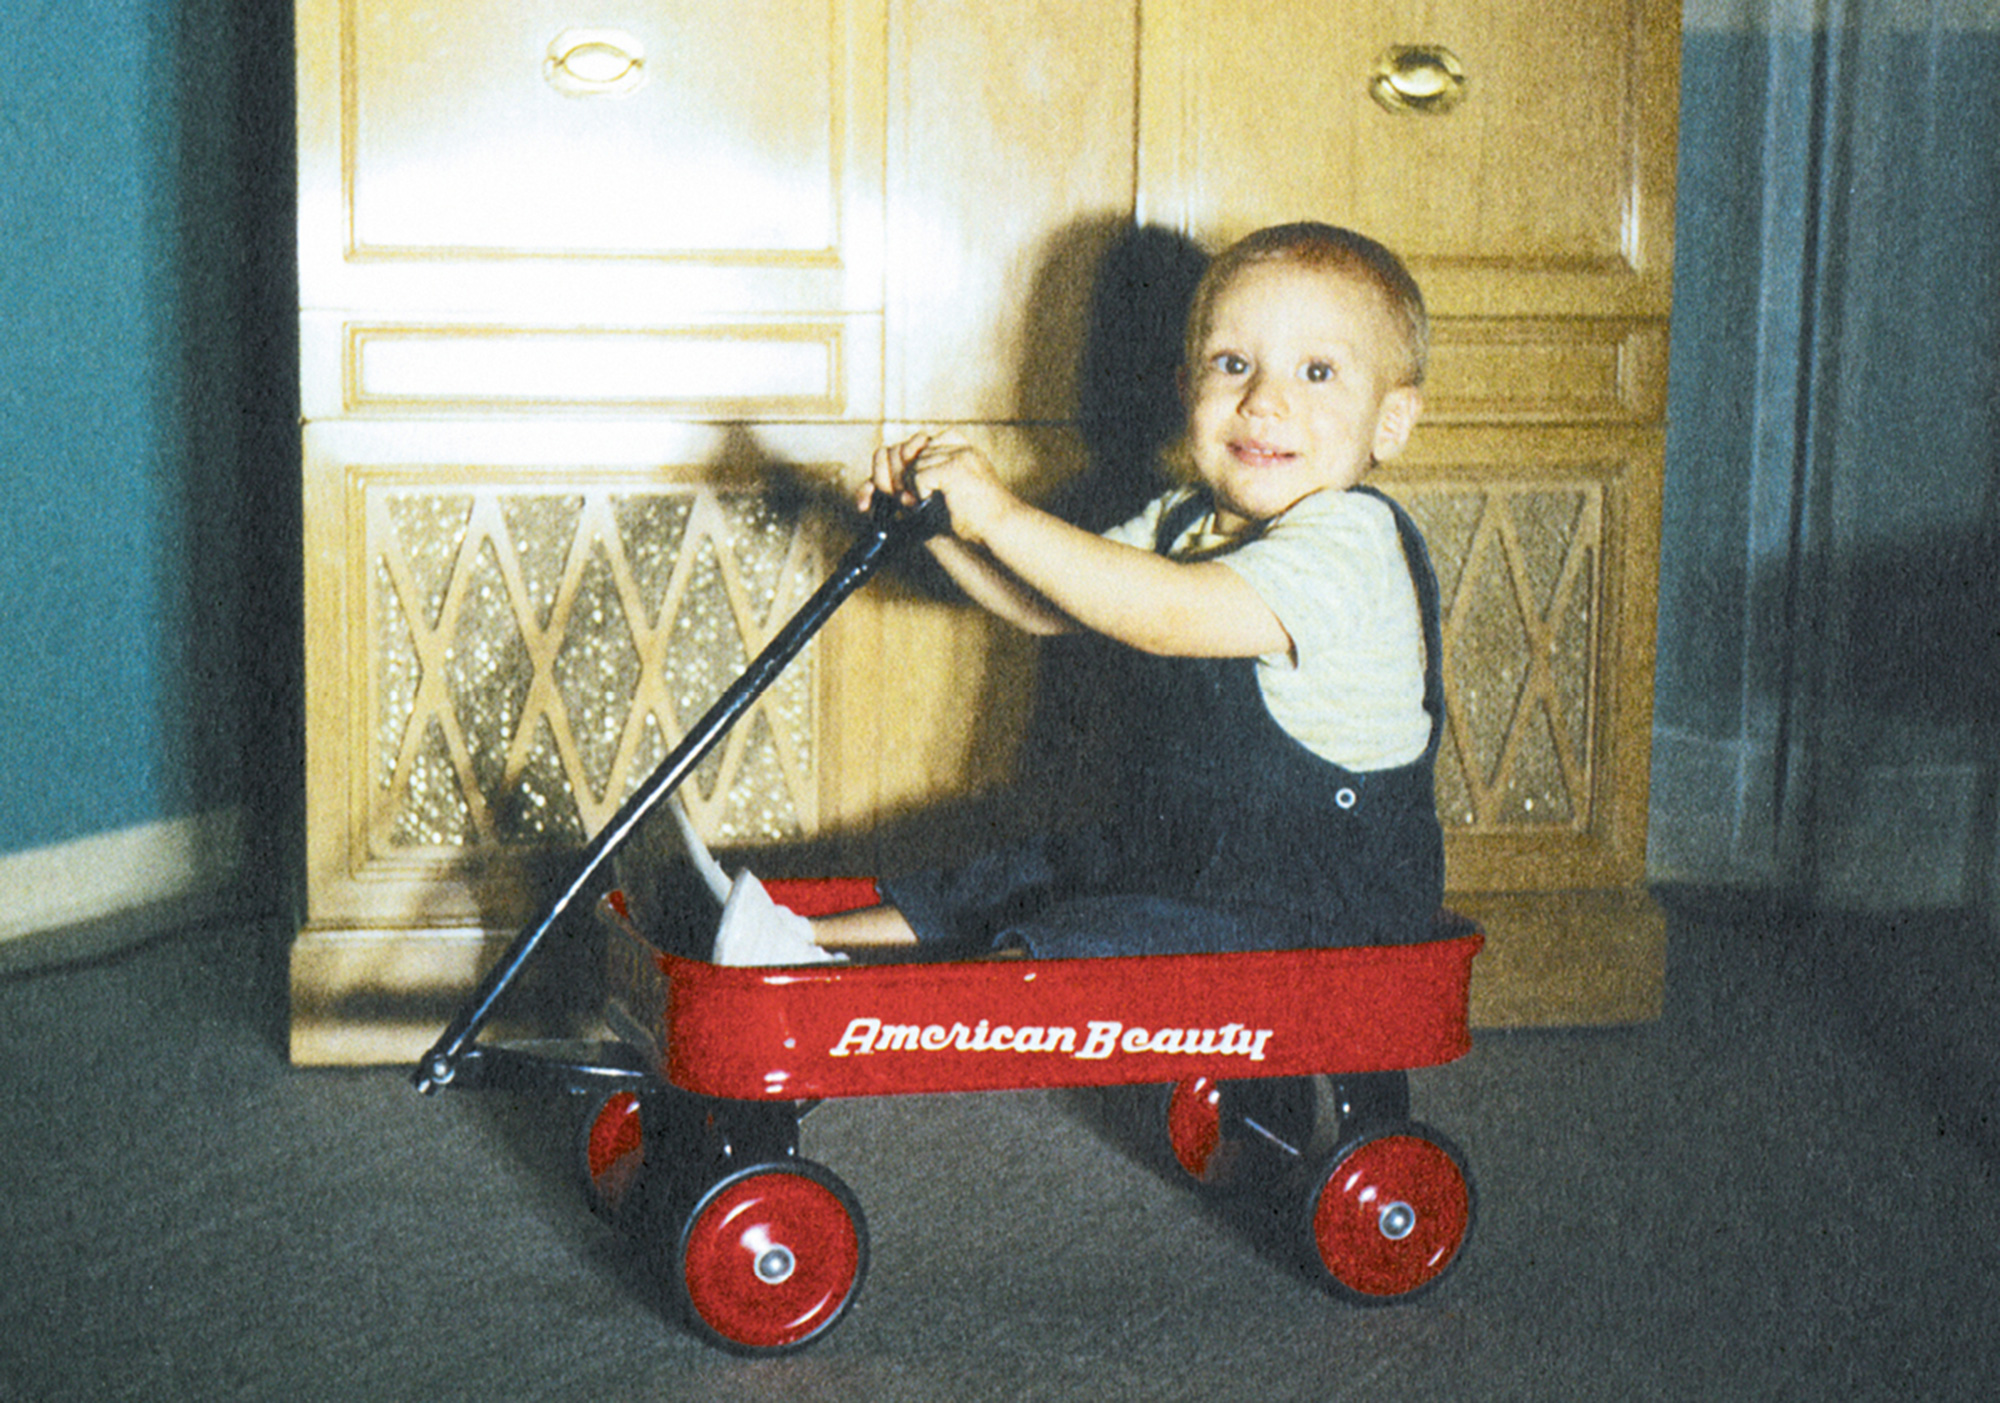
(490, 188)
(1546, 189)
(494, 151)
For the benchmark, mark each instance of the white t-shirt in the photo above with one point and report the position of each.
(1332, 570)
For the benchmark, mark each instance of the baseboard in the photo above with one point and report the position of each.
(1712, 822)
(91, 880)
(1898, 837)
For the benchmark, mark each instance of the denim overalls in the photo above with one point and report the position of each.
(1230, 835)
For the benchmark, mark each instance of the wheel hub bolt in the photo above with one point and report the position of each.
(1398, 1221)
(775, 1265)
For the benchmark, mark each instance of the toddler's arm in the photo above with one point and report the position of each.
(988, 583)
(1048, 576)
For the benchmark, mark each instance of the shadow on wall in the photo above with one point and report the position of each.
(1924, 640)
(258, 514)
(1128, 387)
(1110, 304)
(1893, 787)
(1923, 656)
(1129, 410)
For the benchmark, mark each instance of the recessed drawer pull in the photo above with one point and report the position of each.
(595, 63)
(1425, 79)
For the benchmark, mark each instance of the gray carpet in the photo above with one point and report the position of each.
(1783, 1190)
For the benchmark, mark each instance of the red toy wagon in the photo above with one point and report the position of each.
(692, 1133)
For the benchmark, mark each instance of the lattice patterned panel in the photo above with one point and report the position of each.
(1519, 568)
(536, 655)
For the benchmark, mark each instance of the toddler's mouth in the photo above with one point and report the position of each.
(1259, 455)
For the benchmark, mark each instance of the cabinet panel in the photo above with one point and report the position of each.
(499, 154)
(711, 129)
(1544, 543)
(1520, 370)
(1546, 190)
(773, 369)
(509, 628)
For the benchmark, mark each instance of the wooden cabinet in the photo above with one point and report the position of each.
(602, 313)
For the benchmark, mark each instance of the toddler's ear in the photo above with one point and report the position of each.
(1400, 409)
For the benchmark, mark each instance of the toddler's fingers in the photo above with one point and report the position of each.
(892, 470)
(882, 467)
(887, 470)
(911, 453)
(880, 475)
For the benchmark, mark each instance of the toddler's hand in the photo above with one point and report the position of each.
(945, 463)
(889, 472)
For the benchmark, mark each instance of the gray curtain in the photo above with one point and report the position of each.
(1828, 697)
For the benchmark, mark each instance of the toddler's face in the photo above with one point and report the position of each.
(1295, 390)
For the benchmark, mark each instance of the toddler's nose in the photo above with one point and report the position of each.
(1263, 397)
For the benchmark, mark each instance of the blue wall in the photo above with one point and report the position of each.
(144, 384)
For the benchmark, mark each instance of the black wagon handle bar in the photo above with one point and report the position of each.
(891, 528)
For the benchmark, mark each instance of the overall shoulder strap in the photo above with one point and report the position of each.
(1175, 521)
(1417, 555)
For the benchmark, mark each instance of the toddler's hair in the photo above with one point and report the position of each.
(1323, 248)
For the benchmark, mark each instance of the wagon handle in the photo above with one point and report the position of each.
(891, 528)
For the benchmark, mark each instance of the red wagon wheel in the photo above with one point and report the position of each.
(1229, 1136)
(1389, 1214)
(771, 1256)
(613, 1151)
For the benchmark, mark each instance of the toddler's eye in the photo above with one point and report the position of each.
(1229, 363)
(1319, 371)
